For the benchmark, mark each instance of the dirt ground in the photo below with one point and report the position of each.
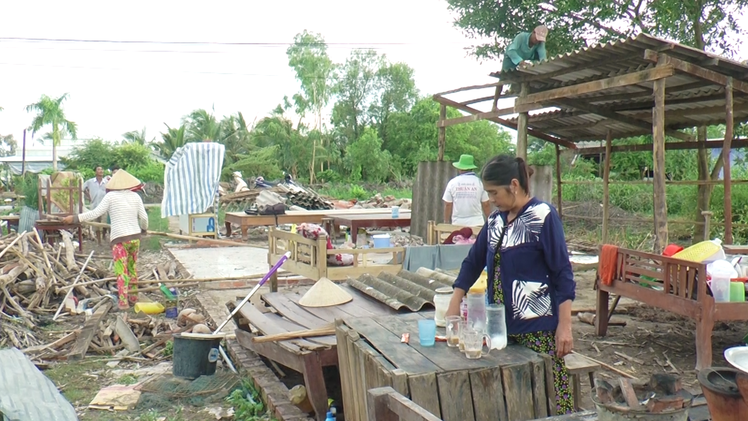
(651, 336)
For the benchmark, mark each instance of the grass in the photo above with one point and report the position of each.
(155, 223)
(77, 387)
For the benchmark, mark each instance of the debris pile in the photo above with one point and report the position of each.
(294, 195)
(663, 393)
(379, 201)
(43, 285)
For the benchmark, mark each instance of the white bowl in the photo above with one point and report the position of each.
(738, 357)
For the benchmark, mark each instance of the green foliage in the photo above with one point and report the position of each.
(576, 24)
(134, 157)
(28, 186)
(247, 403)
(152, 171)
(365, 158)
(127, 379)
(169, 349)
(308, 57)
(261, 161)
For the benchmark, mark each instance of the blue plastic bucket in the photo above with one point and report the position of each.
(381, 241)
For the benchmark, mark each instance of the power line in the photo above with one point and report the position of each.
(271, 44)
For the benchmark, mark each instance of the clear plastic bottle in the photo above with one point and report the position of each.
(705, 251)
(476, 317)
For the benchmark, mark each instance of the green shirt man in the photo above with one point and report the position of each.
(525, 46)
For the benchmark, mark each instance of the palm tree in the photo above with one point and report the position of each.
(202, 125)
(172, 140)
(137, 137)
(49, 112)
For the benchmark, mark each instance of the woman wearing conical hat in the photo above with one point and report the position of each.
(129, 219)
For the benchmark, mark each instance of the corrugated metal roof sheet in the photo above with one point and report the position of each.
(406, 289)
(431, 180)
(26, 394)
(689, 101)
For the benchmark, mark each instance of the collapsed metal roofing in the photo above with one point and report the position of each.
(694, 90)
(406, 289)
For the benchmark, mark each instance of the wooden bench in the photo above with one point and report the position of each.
(675, 285)
(436, 233)
(12, 221)
(309, 258)
(578, 366)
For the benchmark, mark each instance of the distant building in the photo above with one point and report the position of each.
(39, 155)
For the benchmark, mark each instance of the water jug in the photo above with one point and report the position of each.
(496, 325)
(441, 301)
(476, 308)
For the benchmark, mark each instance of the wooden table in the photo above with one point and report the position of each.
(354, 222)
(12, 221)
(296, 217)
(512, 384)
(307, 356)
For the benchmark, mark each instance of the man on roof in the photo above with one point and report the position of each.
(526, 47)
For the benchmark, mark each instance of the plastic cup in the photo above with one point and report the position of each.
(427, 332)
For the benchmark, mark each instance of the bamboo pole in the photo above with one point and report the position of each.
(522, 126)
(176, 236)
(310, 333)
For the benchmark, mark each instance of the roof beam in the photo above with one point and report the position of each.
(506, 123)
(697, 71)
(472, 87)
(474, 117)
(647, 147)
(477, 100)
(532, 100)
(635, 122)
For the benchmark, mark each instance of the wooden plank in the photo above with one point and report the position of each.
(658, 166)
(559, 188)
(475, 117)
(282, 302)
(455, 396)
(273, 351)
(388, 344)
(518, 391)
(424, 392)
(488, 394)
(90, 328)
(357, 374)
(472, 87)
(549, 381)
(539, 395)
(648, 75)
(727, 164)
(400, 381)
(695, 70)
(268, 327)
(522, 124)
(506, 123)
(606, 186)
(442, 135)
(447, 358)
(646, 147)
(344, 367)
(378, 401)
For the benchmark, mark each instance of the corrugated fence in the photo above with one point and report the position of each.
(431, 180)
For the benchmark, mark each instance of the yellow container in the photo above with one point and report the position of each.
(480, 285)
(149, 308)
(701, 251)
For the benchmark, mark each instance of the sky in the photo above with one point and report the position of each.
(183, 62)
(118, 87)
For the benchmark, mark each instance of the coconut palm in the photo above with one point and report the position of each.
(202, 125)
(49, 112)
(172, 140)
(137, 137)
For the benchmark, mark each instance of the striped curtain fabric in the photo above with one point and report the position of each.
(191, 179)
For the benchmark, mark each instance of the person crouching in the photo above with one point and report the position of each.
(128, 220)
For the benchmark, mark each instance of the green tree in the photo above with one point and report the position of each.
(138, 137)
(313, 67)
(49, 112)
(365, 158)
(397, 92)
(93, 153)
(236, 138)
(355, 88)
(578, 23)
(8, 145)
(202, 125)
(292, 150)
(173, 139)
(411, 137)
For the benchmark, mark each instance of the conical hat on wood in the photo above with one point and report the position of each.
(122, 180)
(325, 293)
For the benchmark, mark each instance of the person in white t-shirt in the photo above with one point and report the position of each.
(465, 201)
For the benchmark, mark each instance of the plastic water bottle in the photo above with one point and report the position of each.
(395, 212)
(329, 417)
(496, 325)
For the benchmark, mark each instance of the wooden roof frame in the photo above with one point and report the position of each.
(655, 66)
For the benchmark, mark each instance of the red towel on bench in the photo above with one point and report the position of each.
(607, 265)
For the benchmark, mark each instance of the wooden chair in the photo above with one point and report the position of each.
(578, 366)
(56, 202)
(436, 233)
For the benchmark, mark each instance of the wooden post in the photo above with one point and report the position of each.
(442, 132)
(559, 194)
(729, 122)
(606, 187)
(522, 127)
(658, 150)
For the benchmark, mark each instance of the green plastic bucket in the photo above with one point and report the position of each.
(195, 355)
